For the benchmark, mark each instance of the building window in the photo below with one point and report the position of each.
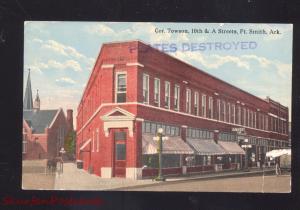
(233, 113)
(251, 119)
(121, 87)
(254, 119)
(188, 101)
(271, 124)
(167, 94)
(229, 113)
(157, 91)
(120, 151)
(263, 121)
(244, 116)
(146, 88)
(219, 109)
(259, 121)
(224, 111)
(210, 107)
(176, 97)
(239, 115)
(203, 106)
(151, 127)
(196, 103)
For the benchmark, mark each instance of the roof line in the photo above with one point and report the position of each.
(56, 115)
(198, 69)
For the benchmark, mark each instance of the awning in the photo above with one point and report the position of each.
(278, 153)
(173, 145)
(231, 148)
(85, 144)
(206, 147)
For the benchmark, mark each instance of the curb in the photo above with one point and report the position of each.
(201, 178)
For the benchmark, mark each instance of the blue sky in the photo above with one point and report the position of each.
(61, 55)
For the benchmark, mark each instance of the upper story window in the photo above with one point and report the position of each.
(219, 109)
(203, 110)
(229, 113)
(157, 91)
(176, 97)
(244, 116)
(223, 111)
(239, 115)
(248, 117)
(196, 103)
(146, 88)
(210, 107)
(266, 122)
(263, 121)
(254, 120)
(188, 101)
(167, 94)
(121, 87)
(233, 113)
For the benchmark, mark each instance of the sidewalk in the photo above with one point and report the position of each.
(79, 179)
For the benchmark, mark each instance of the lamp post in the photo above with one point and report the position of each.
(246, 146)
(160, 148)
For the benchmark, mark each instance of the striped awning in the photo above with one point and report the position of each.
(231, 148)
(85, 144)
(206, 147)
(172, 145)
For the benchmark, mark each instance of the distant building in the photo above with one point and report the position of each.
(134, 89)
(44, 131)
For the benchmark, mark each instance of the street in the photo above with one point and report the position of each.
(79, 179)
(270, 184)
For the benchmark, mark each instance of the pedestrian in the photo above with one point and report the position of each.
(277, 161)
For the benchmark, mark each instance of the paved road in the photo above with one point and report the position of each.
(273, 184)
(34, 176)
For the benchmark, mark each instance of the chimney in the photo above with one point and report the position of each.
(70, 119)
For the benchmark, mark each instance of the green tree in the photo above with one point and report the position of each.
(70, 143)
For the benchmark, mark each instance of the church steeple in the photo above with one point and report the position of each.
(37, 102)
(27, 103)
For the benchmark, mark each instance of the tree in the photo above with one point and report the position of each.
(70, 143)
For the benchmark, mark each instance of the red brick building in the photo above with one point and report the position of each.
(44, 131)
(135, 89)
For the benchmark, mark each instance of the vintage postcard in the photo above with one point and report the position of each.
(146, 106)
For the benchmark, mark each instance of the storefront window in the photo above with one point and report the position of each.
(168, 160)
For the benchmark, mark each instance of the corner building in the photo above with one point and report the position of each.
(135, 89)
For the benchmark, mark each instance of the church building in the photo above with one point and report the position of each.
(44, 131)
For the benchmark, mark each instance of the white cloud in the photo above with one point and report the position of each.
(213, 61)
(65, 81)
(37, 40)
(52, 64)
(100, 29)
(65, 50)
(284, 70)
(55, 46)
(264, 62)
